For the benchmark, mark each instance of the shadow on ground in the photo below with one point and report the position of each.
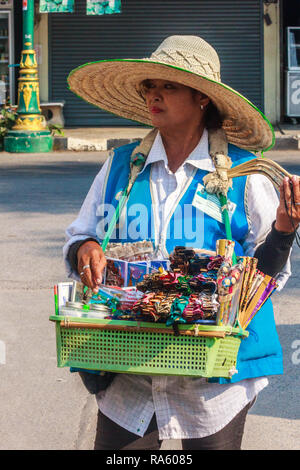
(51, 188)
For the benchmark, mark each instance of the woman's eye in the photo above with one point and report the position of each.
(148, 87)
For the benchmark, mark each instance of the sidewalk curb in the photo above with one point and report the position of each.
(283, 142)
(92, 145)
(287, 142)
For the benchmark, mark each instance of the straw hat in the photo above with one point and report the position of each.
(114, 85)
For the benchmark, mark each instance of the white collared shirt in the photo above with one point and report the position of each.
(185, 407)
(168, 186)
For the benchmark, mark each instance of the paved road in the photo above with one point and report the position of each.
(43, 407)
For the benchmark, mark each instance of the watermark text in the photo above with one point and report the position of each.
(296, 354)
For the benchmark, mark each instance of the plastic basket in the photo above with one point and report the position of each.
(147, 348)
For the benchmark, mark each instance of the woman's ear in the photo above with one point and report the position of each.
(201, 99)
(204, 101)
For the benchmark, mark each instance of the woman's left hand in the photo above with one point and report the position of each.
(288, 212)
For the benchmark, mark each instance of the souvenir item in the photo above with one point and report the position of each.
(56, 6)
(103, 7)
(242, 290)
(116, 272)
(138, 329)
(136, 251)
(136, 272)
(156, 265)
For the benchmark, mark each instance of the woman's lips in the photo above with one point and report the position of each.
(155, 110)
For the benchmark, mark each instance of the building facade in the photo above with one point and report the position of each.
(249, 37)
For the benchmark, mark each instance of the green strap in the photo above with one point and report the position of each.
(137, 161)
(226, 220)
(115, 218)
(238, 325)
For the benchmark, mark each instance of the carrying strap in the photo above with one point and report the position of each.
(218, 181)
(137, 162)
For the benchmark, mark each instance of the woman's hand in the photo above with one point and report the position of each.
(91, 263)
(288, 212)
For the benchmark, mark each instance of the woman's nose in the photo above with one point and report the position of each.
(156, 94)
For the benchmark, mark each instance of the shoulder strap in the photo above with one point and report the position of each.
(218, 182)
(137, 162)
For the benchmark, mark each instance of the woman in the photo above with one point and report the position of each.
(179, 92)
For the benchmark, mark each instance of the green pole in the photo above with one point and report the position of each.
(30, 133)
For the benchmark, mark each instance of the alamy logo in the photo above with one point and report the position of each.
(296, 354)
(136, 222)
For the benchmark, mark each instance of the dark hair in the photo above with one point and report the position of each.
(213, 118)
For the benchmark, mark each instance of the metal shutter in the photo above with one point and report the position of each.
(233, 27)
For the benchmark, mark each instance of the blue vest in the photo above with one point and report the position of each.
(260, 354)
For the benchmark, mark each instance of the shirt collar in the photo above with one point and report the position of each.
(198, 158)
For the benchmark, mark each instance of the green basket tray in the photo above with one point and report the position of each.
(146, 348)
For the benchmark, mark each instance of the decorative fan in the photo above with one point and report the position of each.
(263, 166)
(220, 180)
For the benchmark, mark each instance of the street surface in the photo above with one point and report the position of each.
(44, 407)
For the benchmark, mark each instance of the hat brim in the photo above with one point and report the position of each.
(114, 85)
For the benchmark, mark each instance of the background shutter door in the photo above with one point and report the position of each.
(233, 27)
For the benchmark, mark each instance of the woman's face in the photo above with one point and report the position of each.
(171, 104)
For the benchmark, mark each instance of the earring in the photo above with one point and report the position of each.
(201, 107)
